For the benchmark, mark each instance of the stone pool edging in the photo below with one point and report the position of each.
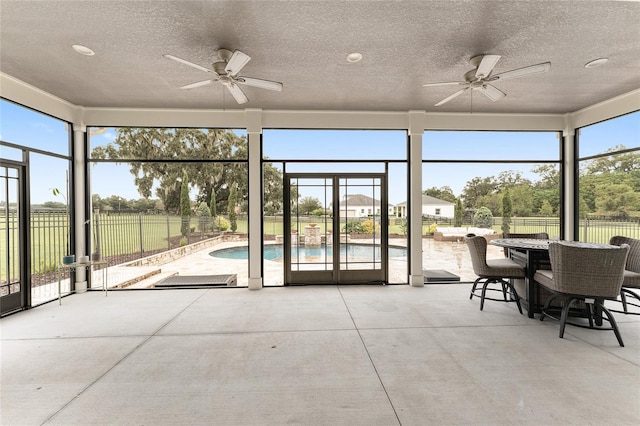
(177, 253)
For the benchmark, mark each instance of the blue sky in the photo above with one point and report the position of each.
(22, 126)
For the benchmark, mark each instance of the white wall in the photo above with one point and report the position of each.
(445, 211)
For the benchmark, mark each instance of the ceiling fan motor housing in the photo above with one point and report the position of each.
(224, 54)
(218, 67)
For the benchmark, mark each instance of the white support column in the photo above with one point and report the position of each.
(254, 130)
(569, 183)
(416, 129)
(79, 186)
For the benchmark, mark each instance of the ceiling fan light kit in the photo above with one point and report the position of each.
(480, 77)
(226, 71)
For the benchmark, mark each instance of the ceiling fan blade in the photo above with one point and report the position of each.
(183, 61)
(492, 92)
(237, 93)
(449, 83)
(198, 84)
(523, 72)
(486, 65)
(448, 98)
(257, 82)
(237, 61)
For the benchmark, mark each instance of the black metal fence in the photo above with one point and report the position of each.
(118, 237)
(600, 229)
(121, 237)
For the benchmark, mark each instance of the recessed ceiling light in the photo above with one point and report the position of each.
(354, 57)
(83, 50)
(596, 63)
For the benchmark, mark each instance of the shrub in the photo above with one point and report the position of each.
(183, 241)
(432, 228)
(318, 212)
(353, 228)
(370, 227)
(404, 225)
(483, 218)
(221, 223)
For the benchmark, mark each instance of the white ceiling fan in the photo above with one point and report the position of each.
(226, 72)
(480, 77)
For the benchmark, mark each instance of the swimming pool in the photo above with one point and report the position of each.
(275, 252)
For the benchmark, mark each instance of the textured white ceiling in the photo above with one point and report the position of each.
(304, 44)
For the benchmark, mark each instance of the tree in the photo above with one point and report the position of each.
(583, 208)
(213, 208)
(546, 209)
(443, 193)
(54, 205)
(272, 197)
(610, 184)
(117, 203)
(233, 216)
(483, 218)
(185, 205)
(306, 205)
(616, 163)
(458, 212)
(549, 174)
(507, 211)
(510, 178)
(212, 204)
(188, 144)
(491, 201)
(142, 205)
(476, 188)
(522, 197)
(617, 199)
(204, 216)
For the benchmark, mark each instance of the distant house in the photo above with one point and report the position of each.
(431, 206)
(359, 205)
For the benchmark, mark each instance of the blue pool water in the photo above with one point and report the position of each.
(275, 251)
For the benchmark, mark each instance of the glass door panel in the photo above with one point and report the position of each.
(363, 218)
(12, 290)
(309, 253)
(327, 211)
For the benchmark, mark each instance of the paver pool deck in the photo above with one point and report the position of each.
(442, 255)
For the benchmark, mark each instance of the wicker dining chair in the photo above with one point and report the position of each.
(631, 281)
(492, 271)
(583, 273)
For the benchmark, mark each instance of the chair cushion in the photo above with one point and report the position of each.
(631, 279)
(544, 278)
(505, 268)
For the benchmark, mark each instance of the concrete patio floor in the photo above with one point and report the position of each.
(313, 355)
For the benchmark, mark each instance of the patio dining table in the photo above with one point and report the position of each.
(533, 254)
